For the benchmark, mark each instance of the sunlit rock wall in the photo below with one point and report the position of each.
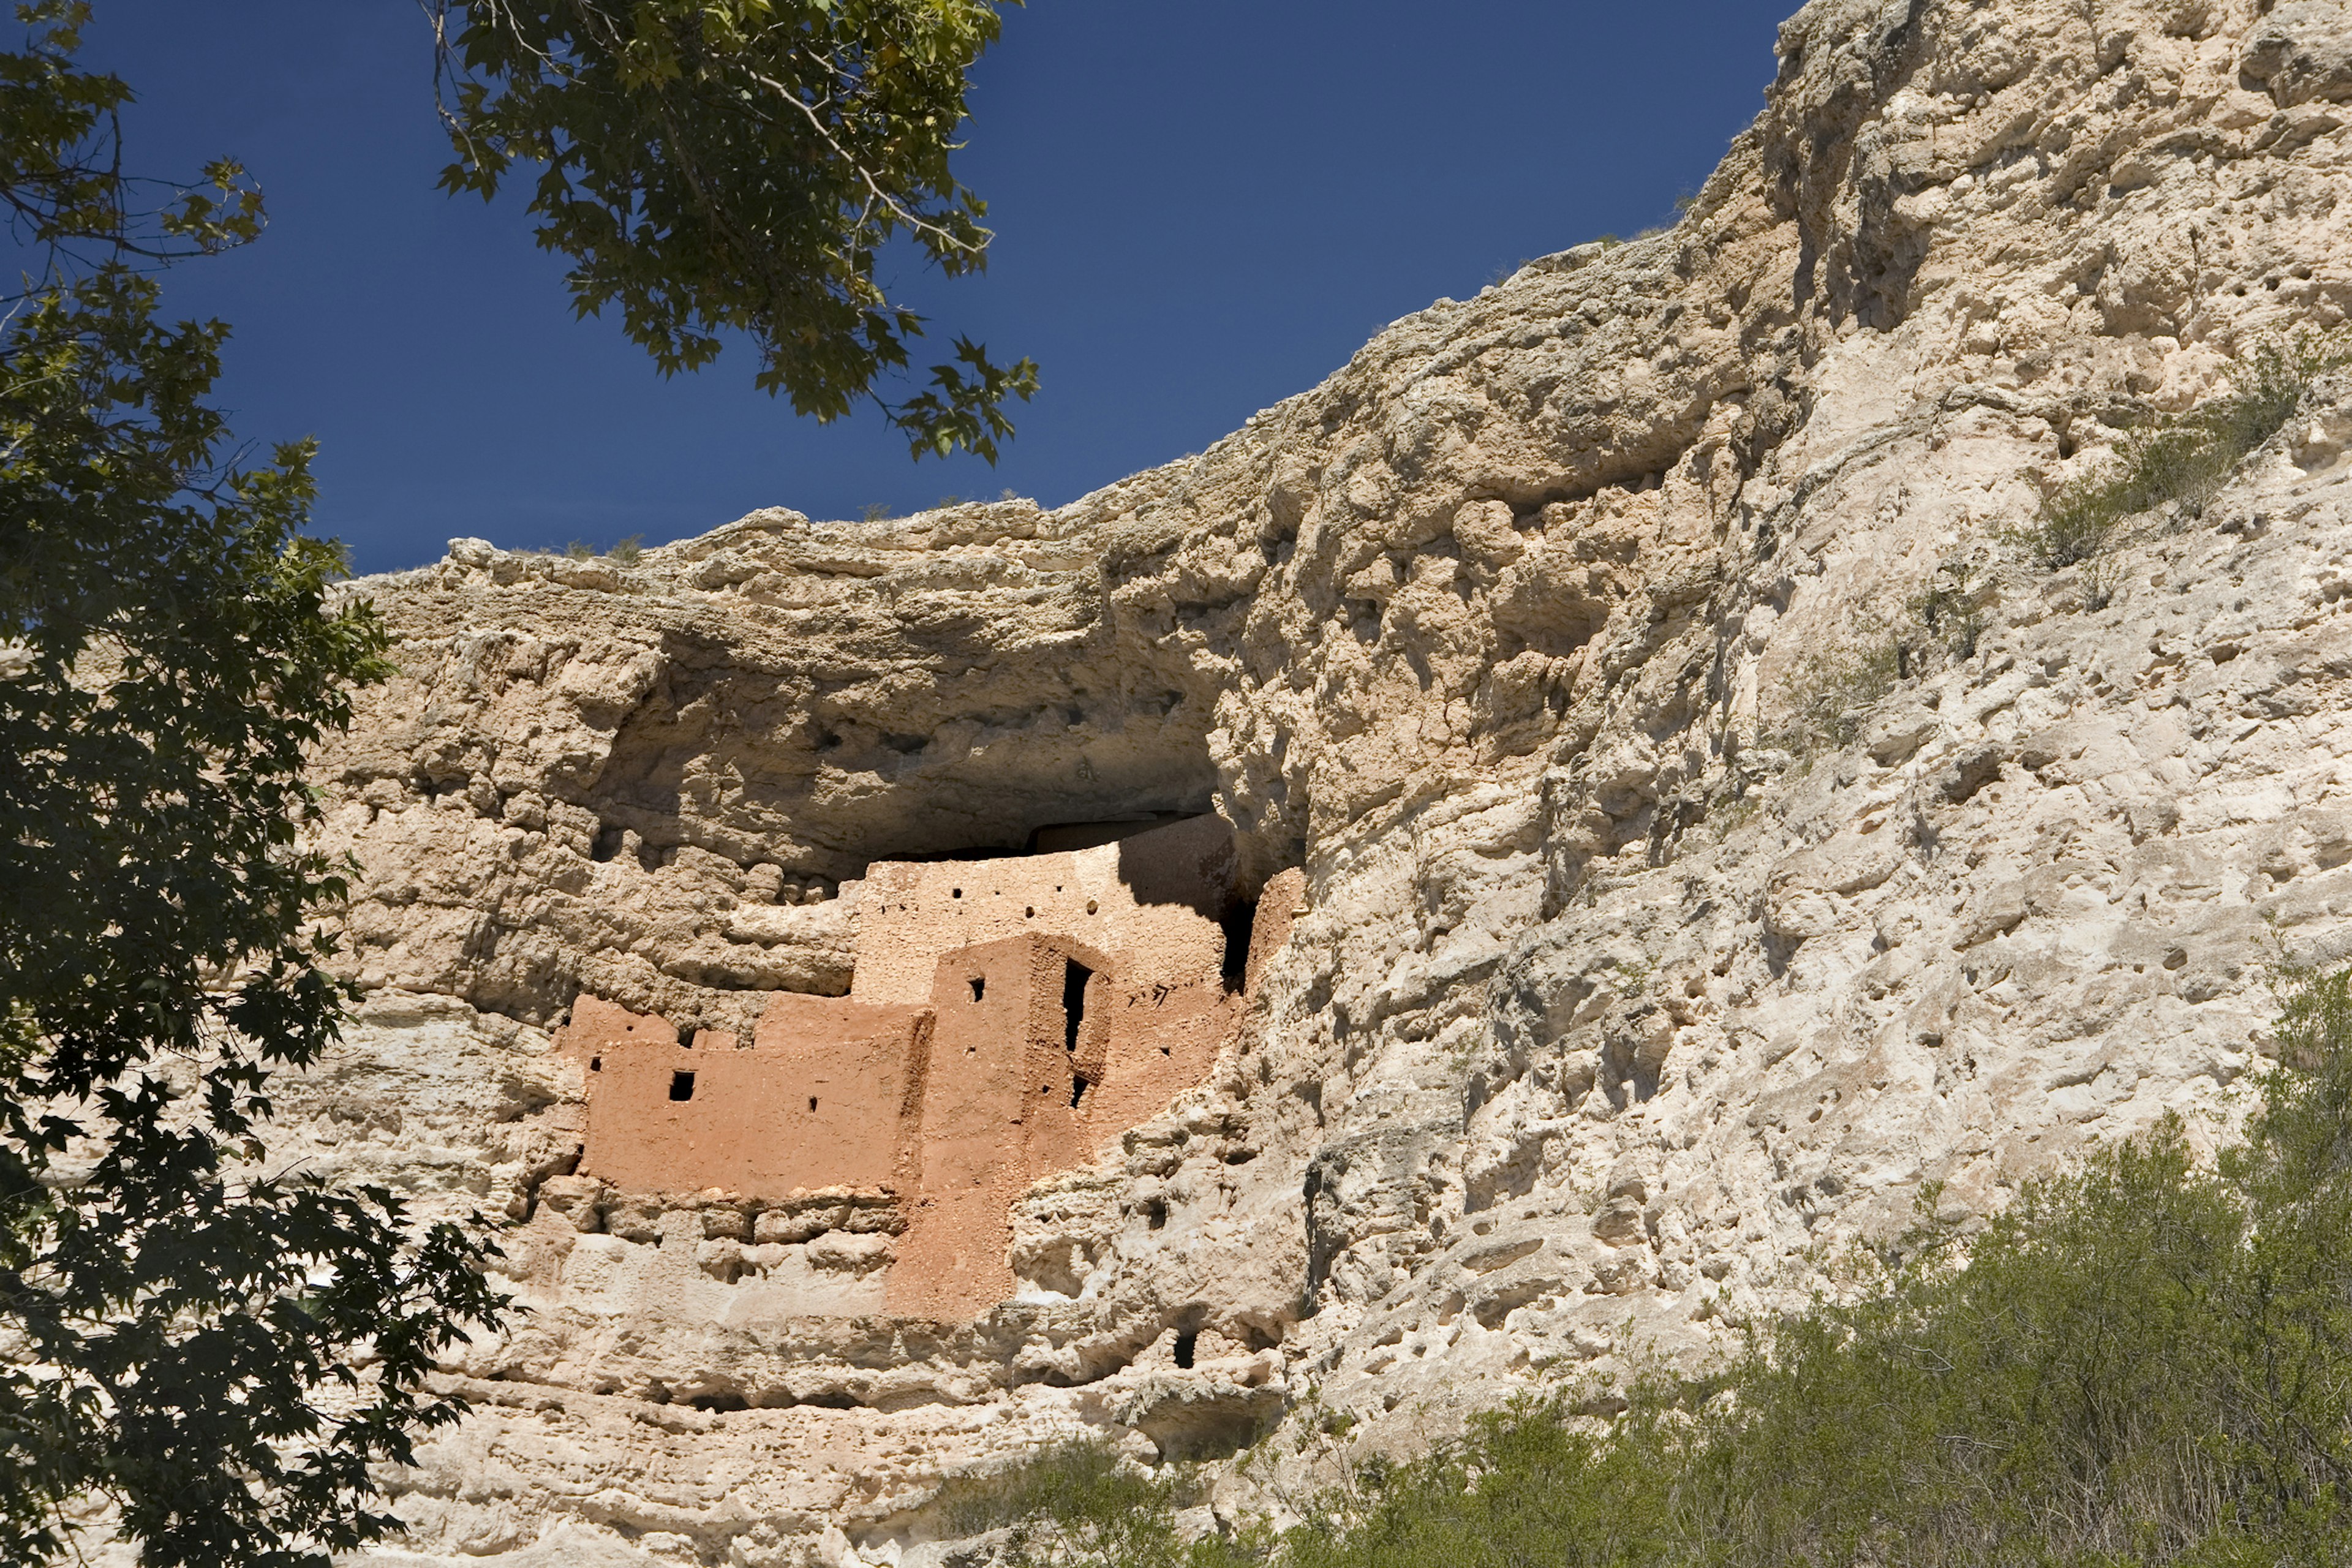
(1624, 991)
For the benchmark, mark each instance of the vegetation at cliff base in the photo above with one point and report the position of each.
(2145, 1361)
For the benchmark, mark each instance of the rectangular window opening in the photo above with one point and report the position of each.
(812, 1102)
(682, 1086)
(979, 986)
(1074, 976)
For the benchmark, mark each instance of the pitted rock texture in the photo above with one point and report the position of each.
(1621, 994)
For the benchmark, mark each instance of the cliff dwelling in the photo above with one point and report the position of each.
(1008, 1019)
(1667, 946)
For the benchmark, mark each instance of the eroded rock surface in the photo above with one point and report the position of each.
(1622, 990)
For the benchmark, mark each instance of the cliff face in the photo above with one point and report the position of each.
(1710, 830)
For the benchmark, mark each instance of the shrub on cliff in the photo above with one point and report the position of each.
(2146, 1360)
(2182, 460)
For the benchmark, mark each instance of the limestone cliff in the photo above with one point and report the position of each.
(1710, 828)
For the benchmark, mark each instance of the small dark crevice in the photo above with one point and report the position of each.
(812, 1104)
(1258, 1337)
(830, 1402)
(1078, 1091)
(719, 1403)
(1155, 1215)
(979, 986)
(608, 841)
(1185, 1345)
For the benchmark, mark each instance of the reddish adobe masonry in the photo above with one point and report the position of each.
(1008, 1019)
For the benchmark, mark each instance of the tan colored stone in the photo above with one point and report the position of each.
(1602, 1012)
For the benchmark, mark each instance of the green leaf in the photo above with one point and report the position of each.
(722, 168)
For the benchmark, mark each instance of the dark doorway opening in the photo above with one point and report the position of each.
(682, 1086)
(1185, 1345)
(1236, 922)
(979, 986)
(1074, 976)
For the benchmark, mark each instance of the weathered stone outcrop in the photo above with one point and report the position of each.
(1624, 989)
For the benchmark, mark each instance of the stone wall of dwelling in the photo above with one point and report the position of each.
(1157, 1042)
(991, 1047)
(1153, 899)
(1279, 906)
(1019, 1096)
(824, 1096)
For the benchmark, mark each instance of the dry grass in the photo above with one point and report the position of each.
(2182, 462)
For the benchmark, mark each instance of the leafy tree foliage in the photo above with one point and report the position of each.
(740, 165)
(211, 1352)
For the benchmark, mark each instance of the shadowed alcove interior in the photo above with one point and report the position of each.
(979, 761)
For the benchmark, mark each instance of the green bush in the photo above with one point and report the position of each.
(2184, 460)
(2146, 1360)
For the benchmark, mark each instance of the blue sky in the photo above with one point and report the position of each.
(1200, 209)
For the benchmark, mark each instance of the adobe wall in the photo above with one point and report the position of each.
(1157, 1042)
(993, 1080)
(1015, 1098)
(1153, 899)
(826, 1095)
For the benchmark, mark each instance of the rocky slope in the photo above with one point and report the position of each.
(1713, 828)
